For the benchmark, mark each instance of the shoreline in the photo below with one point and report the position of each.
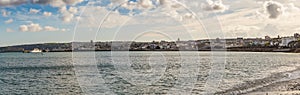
(292, 51)
(232, 49)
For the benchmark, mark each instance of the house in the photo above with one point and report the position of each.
(286, 40)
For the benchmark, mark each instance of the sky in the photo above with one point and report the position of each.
(51, 21)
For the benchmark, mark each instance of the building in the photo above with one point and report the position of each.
(297, 35)
(286, 40)
(268, 38)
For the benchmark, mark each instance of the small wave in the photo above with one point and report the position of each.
(34, 67)
(45, 67)
(252, 86)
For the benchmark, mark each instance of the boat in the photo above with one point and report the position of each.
(26, 51)
(36, 50)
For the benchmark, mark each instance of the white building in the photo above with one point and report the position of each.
(286, 40)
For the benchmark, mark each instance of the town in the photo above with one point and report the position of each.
(266, 44)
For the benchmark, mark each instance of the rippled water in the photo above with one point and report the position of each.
(139, 72)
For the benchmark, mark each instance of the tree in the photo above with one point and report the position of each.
(157, 47)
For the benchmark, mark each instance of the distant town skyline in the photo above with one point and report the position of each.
(51, 21)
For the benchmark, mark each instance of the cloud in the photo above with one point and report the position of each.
(47, 13)
(216, 6)
(72, 2)
(118, 1)
(168, 3)
(73, 10)
(23, 28)
(9, 30)
(5, 13)
(63, 30)
(159, 9)
(67, 17)
(33, 27)
(57, 3)
(50, 28)
(11, 2)
(33, 11)
(274, 9)
(145, 3)
(240, 30)
(30, 28)
(143, 6)
(9, 21)
(271, 29)
(54, 3)
(93, 16)
(291, 9)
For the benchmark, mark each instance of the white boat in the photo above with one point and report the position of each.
(36, 50)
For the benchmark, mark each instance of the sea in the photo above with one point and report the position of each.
(143, 72)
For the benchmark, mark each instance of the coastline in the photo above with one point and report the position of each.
(204, 50)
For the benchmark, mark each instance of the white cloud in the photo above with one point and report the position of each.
(5, 13)
(23, 28)
(271, 28)
(34, 27)
(67, 17)
(145, 3)
(54, 3)
(275, 10)
(9, 21)
(11, 2)
(38, 28)
(50, 28)
(93, 15)
(33, 11)
(152, 8)
(57, 3)
(216, 6)
(118, 1)
(9, 30)
(240, 30)
(168, 3)
(62, 9)
(72, 2)
(291, 9)
(47, 13)
(30, 28)
(64, 30)
(73, 10)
